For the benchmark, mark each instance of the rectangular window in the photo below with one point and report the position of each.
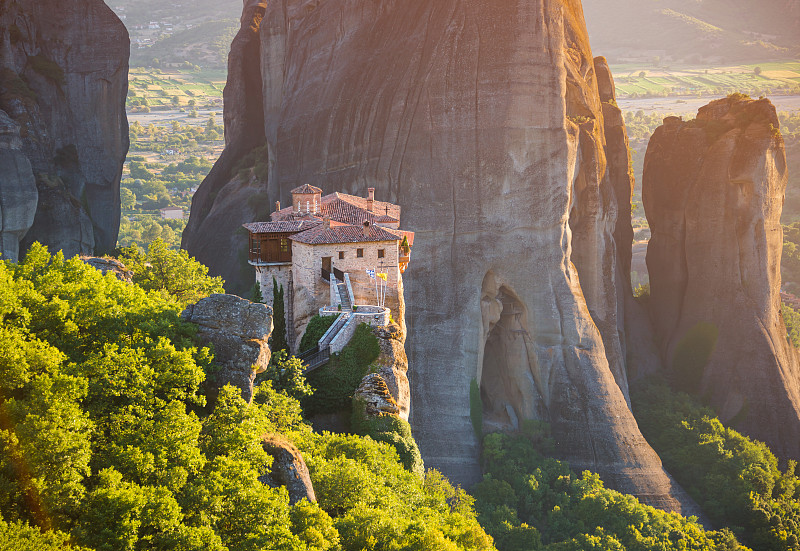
(341, 255)
(284, 245)
(360, 253)
(381, 253)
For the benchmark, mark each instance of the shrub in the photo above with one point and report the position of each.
(735, 480)
(316, 328)
(529, 502)
(335, 383)
(791, 318)
(392, 430)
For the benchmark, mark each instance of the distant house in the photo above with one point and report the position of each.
(334, 251)
(172, 213)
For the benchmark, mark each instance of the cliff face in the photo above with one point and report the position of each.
(485, 122)
(713, 192)
(63, 83)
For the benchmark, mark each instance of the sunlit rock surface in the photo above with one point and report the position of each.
(713, 193)
(239, 330)
(64, 80)
(484, 122)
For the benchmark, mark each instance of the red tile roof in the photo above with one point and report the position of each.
(305, 188)
(287, 226)
(320, 235)
(349, 209)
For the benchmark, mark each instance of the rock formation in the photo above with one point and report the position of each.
(485, 123)
(63, 81)
(392, 366)
(633, 324)
(239, 330)
(376, 398)
(108, 264)
(713, 192)
(230, 197)
(18, 195)
(289, 469)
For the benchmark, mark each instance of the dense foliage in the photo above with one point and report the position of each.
(105, 439)
(393, 431)
(735, 480)
(530, 502)
(335, 383)
(315, 330)
(170, 272)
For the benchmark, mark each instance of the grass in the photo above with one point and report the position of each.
(159, 87)
(781, 77)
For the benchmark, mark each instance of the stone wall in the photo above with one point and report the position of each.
(311, 292)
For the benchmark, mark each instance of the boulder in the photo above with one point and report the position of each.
(239, 331)
(108, 264)
(64, 81)
(496, 152)
(288, 469)
(713, 192)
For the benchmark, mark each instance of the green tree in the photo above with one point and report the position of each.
(277, 340)
(127, 198)
(172, 272)
(139, 171)
(287, 375)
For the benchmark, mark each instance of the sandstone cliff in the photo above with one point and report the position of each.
(63, 81)
(485, 122)
(713, 192)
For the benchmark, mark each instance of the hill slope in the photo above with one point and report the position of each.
(693, 30)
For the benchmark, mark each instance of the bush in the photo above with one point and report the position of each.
(392, 430)
(529, 502)
(791, 318)
(335, 383)
(315, 330)
(102, 404)
(735, 480)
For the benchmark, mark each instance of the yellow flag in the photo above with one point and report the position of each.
(384, 277)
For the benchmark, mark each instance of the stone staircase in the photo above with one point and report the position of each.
(344, 296)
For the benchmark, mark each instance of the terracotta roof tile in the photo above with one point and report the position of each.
(320, 235)
(286, 226)
(348, 209)
(305, 188)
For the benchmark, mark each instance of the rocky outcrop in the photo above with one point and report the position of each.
(392, 366)
(239, 331)
(496, 151)
(18, 195)
(288, 469)
(108, 264)
(633, 324)
(713, 193)
(376, 398)
(63, 81)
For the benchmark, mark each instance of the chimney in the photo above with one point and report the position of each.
(371, 199)
(326, 222)
(366, 228)
(277, 206)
